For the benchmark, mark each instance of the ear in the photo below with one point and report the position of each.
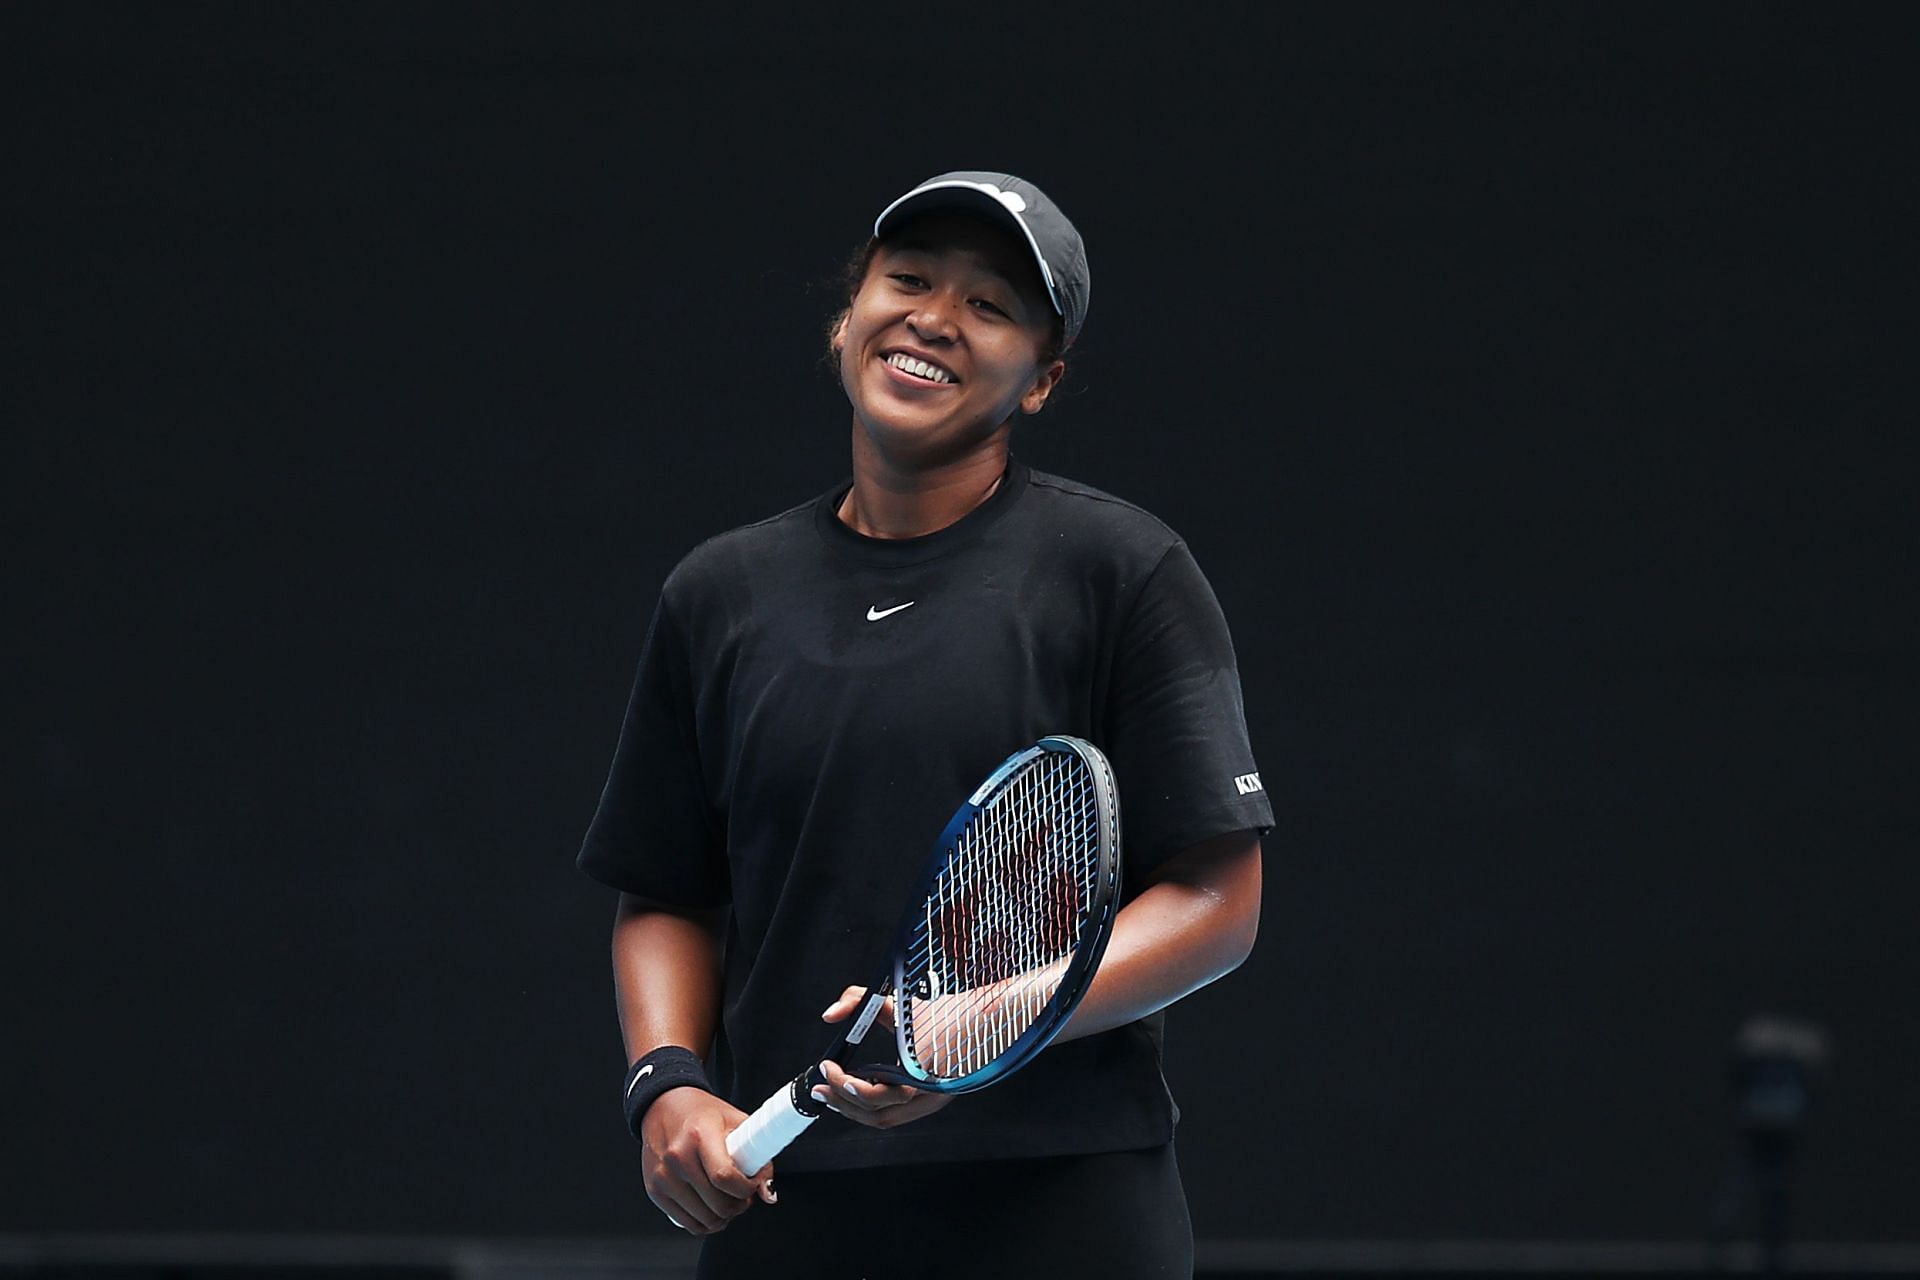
(839, 339)
(1036, 398)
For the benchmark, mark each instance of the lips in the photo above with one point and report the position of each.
(919, 367)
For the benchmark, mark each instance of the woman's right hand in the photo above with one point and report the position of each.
(685, 1165)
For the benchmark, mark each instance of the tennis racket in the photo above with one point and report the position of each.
(999, 941)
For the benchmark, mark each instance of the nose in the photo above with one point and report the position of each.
(934, 318)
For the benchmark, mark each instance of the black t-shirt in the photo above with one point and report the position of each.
(813, 704)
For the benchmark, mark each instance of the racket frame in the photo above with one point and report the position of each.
(1092, 937)
(789, 1111)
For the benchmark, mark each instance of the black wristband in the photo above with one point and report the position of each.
(668, 1067)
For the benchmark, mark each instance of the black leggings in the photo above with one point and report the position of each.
(1116, 1215)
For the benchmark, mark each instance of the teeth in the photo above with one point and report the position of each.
(920, 368)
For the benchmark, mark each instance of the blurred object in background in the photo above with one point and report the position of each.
(1770, 1079)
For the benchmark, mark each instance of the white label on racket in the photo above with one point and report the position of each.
(867, 1015)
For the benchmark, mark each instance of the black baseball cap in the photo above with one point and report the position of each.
(1017, 203)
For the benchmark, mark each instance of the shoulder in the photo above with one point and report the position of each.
(1088, 502)
(1099, 521)
(726, 564)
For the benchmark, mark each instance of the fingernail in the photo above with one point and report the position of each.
(848, 1089)
(768, 1194)
(819, 1093)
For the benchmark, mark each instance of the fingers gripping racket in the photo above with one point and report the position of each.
(998, 943)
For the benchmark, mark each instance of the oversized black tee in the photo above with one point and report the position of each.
(813, 704)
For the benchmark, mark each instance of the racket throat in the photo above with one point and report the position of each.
(804, 1084)
(870, 1011)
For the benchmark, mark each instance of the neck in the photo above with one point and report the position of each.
(892, 498)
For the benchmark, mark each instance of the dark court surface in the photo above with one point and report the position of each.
(182, 1257)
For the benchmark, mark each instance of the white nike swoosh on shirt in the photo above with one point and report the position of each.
(874, 615)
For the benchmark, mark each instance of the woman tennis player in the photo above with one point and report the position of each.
(816, 693)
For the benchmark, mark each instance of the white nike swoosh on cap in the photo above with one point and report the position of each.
(875, 614)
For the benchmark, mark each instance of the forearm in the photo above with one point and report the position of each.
(666, 982)
(666, 976)
(1195, 922)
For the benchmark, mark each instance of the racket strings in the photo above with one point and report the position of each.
(1003, 919)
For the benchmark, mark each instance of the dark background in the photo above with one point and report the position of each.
(1533, 383)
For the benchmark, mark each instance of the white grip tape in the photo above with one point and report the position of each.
(767, 1132)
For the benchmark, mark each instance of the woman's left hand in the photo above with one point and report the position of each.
(869, 1102)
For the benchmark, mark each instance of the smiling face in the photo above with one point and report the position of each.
(947, 338)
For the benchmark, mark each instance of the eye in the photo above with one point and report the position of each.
(990, 306)
(909, 280)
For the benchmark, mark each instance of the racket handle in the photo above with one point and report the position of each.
(769, 1130)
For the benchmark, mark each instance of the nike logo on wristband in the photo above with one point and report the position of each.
(640, 1075)
(874, 613)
